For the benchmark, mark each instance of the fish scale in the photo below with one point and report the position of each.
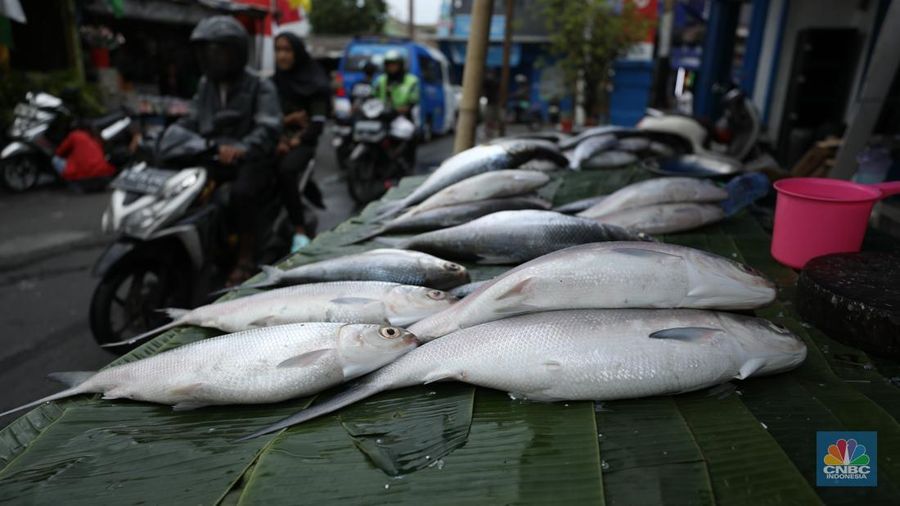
(599, 354)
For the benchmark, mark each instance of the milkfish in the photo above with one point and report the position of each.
(337, 301)
(607, 275)
(579, 205)
(251, 367)
(474, 161)
(665, 218)
(598, 355)
(590, 147)
(383, 264)
(457, 214)
(513, 237)
(662, 190)
(495, 184)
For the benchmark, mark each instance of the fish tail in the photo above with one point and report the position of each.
(145, 335)
(371, 234)
(390, 209)
(393, 242)
(174, 312)
(78, 378)
(273, 277)
(353, 394)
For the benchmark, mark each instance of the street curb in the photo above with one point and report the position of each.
(18, 260)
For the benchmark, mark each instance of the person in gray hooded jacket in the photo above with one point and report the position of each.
(240, 112)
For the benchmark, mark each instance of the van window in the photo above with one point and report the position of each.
(431, 70)
(359, 54)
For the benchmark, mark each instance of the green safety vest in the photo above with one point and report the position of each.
(403, 94)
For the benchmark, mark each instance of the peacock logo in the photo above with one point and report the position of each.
(847, 459)
(846, 452)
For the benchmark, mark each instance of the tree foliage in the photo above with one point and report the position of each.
(348, 17)
(588, 36)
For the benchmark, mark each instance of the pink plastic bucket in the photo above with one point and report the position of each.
(817, 216)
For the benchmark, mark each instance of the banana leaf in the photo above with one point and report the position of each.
(750, 443)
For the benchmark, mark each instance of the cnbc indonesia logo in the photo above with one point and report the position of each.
(846, 461)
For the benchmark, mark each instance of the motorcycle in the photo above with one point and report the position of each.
(381, 139)
(342, 131)
(40, 124)
(175, 242)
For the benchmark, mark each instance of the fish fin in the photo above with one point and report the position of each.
(174, 312)
(71, 378)
(263, 321)
(186, 390)
(305, 359)
(516, 290)
(552, 365)
(645, 253)
(750, 367)
(145, 335)
(686, 334)
(442, 376)
(69, 392)
(355, 393)
(188, 406)
(355, 301)
(371, 234)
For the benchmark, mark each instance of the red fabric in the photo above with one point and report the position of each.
(84, 157)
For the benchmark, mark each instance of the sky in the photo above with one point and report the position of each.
(426, 11)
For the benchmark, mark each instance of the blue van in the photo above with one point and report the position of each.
(436, 113)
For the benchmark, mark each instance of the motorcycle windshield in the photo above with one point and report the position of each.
(178, 143)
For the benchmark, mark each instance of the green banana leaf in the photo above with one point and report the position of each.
(748, 442)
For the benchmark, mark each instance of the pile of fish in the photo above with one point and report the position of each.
(593, 309)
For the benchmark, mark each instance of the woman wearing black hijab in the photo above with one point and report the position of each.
(305, 92)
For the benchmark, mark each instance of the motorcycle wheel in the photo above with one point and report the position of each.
(364, 182)
(19, 173)
(126, 301)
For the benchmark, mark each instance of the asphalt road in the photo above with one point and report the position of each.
(50, 240)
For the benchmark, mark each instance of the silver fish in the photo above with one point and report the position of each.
(590, 147)
(338, 301)
(383, 264)
(513, 237)
(256, 366)
(665, 218)
(474, 161)
(609, 160)
(596, 355)
(572, 142)
(468, 289)
(458, 214)
(495, 184)
(579, 205)
(633, 144)
(607, 275)
(657, 191)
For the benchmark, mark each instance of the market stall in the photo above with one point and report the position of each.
(742, 442)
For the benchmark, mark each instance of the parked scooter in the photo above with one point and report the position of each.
(380, 143)
(40, 124)
(175, 242)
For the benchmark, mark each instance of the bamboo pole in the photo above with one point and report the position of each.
(473, 74)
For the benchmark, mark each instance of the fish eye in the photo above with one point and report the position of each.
(389, 332)
(452, 267)
(437, 294)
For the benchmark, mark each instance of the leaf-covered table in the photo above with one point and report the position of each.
(750, 442)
